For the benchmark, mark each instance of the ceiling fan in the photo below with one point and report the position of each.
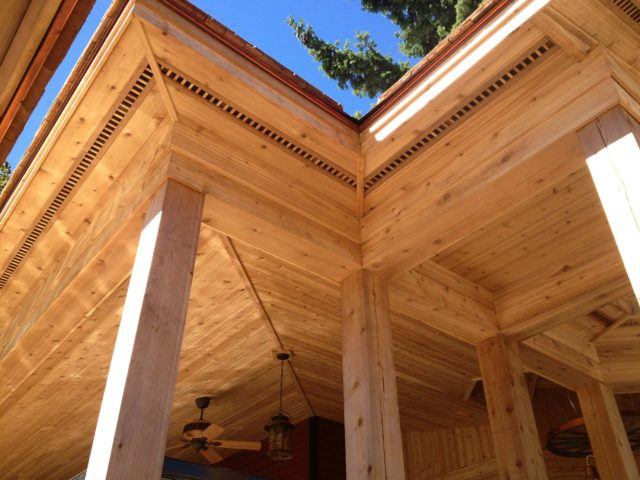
(202, 435)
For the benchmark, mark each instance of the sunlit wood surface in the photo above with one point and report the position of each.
(492, 226)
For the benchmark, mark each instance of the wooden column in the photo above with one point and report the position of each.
(608, 438)
(612, 146)
(373, 442)
(512, 422)
(132, 427)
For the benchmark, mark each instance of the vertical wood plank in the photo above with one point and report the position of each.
(607, 435)
(513, 425)
(372, 423)
(612, 146)
(131, 433)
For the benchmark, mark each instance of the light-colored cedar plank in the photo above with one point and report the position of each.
(612, 147)
(607, 434)
(379, 150)
(518, 163)
(372, 425)
(248, 157)
(132, 157)
(133, 421)
(79, 278)
(244, 215)
(175, 42)
(512, 422)
(262, 312)
(153, 63)
(573, 40)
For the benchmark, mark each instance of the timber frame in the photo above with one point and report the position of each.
(461, 215)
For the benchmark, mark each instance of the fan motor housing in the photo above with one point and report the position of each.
(194, 430)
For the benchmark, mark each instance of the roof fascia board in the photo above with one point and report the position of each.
(213, 29)
(455, 66)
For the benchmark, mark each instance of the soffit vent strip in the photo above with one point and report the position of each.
(601, 317)
(462, 111)
(113, 123)
(260, 128)
(629, 8)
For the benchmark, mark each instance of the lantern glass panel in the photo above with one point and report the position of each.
(280, 437)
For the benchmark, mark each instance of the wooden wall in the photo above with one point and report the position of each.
(468, 453)
(434, 453)
(445, 454)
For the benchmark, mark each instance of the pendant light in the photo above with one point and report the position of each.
(280, 426)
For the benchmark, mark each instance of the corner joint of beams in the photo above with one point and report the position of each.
(153, 63)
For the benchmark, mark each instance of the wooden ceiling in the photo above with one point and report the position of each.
(228, 349)
(538, 269)
(228, 354)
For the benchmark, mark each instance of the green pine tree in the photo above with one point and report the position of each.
(362, 67)
(5, 173)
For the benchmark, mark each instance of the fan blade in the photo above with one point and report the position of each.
(211, 455)
(213, 431)
(176, 447)
(236, 444)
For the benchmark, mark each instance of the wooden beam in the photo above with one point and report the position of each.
(134, 417)
(372, 422)
(532, 382)
(541, 304)
(571, 38)
(612, 146)
(466, 396)
(561, 363)
(246, 215)
(464, 310)
(445, 301)
(153, 63)
(607, 435)
(82, 276)
(230, 248)
(455, 187)
(609, 329)
(510, 413)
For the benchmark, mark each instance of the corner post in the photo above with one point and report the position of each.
(611, 144)
(372, 422)
(513, 425)
(609, 441)
(130, 436)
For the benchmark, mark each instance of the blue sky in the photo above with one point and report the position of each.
(261, 22)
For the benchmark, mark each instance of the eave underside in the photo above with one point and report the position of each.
(537, 262)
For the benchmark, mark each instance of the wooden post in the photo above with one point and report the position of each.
(512, 422)
(131, 433)
(614, 458)
(373, 441)
(611, 144)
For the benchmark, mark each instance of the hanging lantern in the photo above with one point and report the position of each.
(280, 426)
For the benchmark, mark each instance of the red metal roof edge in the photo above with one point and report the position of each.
(253, 54)
(447, 47)
(488, 10)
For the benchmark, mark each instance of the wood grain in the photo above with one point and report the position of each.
(130, 435)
